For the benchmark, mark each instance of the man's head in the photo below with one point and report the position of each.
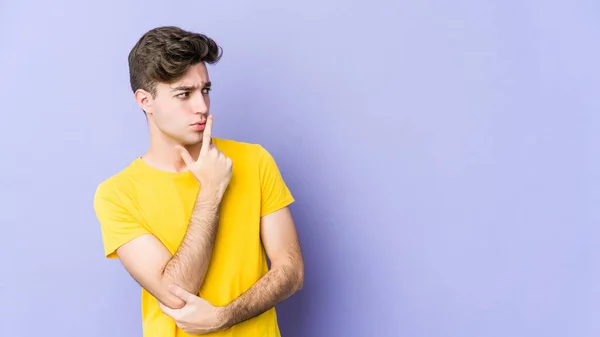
(168, 75)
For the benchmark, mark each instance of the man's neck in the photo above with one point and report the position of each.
(163, 155)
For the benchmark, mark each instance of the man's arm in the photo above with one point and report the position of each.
(150, 263)
(153, 267)
(285, 277)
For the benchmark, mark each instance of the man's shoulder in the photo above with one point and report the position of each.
(245, 155)
(116, 183)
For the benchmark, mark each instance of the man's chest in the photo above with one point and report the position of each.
(166, 208)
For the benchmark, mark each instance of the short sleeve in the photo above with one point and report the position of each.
(275, 194)
(117, 224)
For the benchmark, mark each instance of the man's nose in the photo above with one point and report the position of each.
(200, 106)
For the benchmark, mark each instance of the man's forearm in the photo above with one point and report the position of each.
(274, 287)
(189, 264)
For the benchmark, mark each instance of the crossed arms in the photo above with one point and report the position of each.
(153, 267)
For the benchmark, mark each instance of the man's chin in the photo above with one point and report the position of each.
(192, 142)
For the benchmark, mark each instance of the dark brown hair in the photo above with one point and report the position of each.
(164, 54)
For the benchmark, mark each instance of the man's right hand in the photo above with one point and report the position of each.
(212, 169)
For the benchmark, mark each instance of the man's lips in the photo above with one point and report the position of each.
(198, 126)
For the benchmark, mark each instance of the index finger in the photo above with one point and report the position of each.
(207, 134)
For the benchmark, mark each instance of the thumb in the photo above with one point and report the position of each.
(182, 293)
(185, 155)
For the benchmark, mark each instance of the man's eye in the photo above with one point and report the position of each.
(206, 90)
(184, 95)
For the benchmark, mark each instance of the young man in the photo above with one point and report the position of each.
(195, 218)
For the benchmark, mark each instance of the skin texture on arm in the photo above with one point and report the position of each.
(154, 268)
(285, 277)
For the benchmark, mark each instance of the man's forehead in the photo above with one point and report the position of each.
(194, 77)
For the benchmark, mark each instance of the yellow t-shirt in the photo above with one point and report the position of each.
(140, 200)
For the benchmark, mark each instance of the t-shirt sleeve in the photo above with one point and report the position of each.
(275, 194)
(117, 224)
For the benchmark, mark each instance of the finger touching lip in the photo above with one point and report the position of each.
(198, 126)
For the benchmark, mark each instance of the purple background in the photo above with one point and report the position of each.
(443, 154)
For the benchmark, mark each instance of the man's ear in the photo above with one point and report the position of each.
(144, 100)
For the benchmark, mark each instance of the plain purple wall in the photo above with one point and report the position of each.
(444, 155)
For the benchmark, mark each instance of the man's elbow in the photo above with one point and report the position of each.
(172, 301)
(298, 278)
(166, 297)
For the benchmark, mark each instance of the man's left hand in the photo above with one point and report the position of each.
(198, 316)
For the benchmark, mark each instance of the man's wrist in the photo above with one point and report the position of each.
(223, 318)
(211, 193)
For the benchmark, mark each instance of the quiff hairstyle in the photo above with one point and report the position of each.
(164, 54)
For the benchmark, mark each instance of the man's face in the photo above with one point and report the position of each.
(179, 110)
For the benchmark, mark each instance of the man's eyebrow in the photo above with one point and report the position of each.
(190, 87)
